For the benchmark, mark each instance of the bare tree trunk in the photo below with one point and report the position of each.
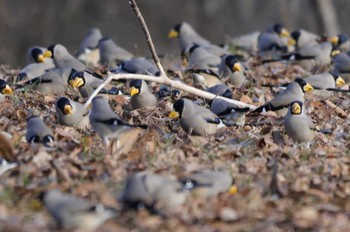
(328, 16)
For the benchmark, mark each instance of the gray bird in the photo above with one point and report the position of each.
(37, 54)
(323, 81)
(208, 183)
(195, 119)
(341, 64)
(298, 125)
(232, 69)
(111, 54)
(247, 42)
(5, 89)
(304, 38)
(141, 97)
(85, 81)
(38, 132)
(229, 113)
(294, 92)
(71, 113)
(105, 122)
(205, 78)
(200, 58)
(88, 51)
(34, 70)
(139, 66)
(340, 42)
(71, 212)
(187, 36)
(220, 90)
(63, 59)
(156, 192)
(54, 81)
(272, 38)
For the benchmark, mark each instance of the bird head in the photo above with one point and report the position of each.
(5, 88)
(296, 107)
(135, 87)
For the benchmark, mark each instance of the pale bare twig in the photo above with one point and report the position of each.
(162, 79)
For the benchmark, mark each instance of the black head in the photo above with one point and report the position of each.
(277, 28)
(2, 85)
(21, 77)
(301, 82)
(35, 52)
(179, 106)
(295, 35)
(47, 140)
(177, 27)
(194, 47)
(62, 103)
(296, 107)
(334, 74)
(136, 83)
(231, 60)
(342, 39)
(51, 49)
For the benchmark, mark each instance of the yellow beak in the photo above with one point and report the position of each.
(339, 82)
(134, 91)
(67, 109)
(284, 33)
(334, 53)
(236, 67)
(77, 82)
(173, 34)
(308, 87)
(47, 54)
(7, 90)
(334, 40)
(174, 114)
(233, 190)
(291, 42)
(296, 109)
(41, 58)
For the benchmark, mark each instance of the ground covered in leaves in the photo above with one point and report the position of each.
(281, 186)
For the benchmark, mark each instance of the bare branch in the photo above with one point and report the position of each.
(174, 84)
(162, 79)
(148, 37)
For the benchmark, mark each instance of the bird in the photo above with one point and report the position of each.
(111, 54)
(138, 66)
(340, 42)
(153, 191)
(88, 51)
(272, 39)
(71, 113)
(207, 183)
(141, 97)
(304, 38)
(299, 127)
(200, 58)
(341, 64)
(54, 81)
(248, 42)
(195, 119)
(232, 69)
(294, 91)
(37, 54)
(34, 70)
(106, 123)
(205, 78)
(187, 36)
(85, 81)
(63, 59)
(37, 132)
(323, 81)
(220, 90)
(71, 212)
(5, 89)
(229, 113)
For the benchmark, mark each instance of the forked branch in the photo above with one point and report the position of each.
(163, 78)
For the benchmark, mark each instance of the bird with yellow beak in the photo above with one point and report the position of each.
(340, 42)
(141, 96)
(4, 89)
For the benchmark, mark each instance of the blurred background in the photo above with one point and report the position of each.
(43, 22)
